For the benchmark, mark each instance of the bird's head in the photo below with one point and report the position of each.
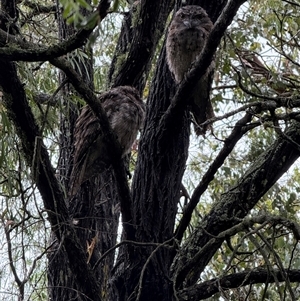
(192, 16)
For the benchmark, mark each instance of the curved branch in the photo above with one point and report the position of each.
(238, 201)
(10, 255)
(133, 243)
(37, 156)
(256, 276)
(14, 48)
(36, 9)
(238, 132)
(113, 145)
(241, 127)
(242, 226)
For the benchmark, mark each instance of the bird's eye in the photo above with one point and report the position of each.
(198, 16)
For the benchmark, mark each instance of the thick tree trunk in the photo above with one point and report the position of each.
(156, 191)
(94, 209)
(155, 196)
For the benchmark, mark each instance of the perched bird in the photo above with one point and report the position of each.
(125, 111)
(186, 37)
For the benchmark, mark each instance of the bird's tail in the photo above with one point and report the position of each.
(201, 106)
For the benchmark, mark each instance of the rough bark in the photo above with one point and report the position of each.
(256, 276)
(141, 30)
(93, 211)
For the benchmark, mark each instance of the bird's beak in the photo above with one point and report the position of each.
(188, 23)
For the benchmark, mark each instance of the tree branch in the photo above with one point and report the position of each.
(113, 145)
(238, 201)
(14, 48)
(10, 255)
(37, 156)
(256, 276)
(17, 49)
(36, 9)
(242, 226)
(238, 132)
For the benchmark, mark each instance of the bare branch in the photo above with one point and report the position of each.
(115, 149)
(292, 3)
(16, 49)
(37, 9)
(131, 242)
(239, 130)
(19, 282)
(256, 276)
(242, 226)
(238, 201)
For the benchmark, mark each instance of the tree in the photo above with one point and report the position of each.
(212, 223)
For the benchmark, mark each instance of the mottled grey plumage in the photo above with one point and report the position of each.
(125, 111)
(186, 37)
